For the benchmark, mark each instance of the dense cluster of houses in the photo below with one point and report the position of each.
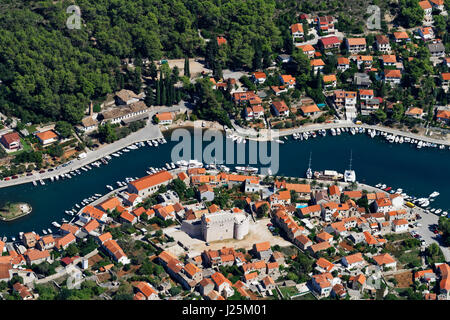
(378, 57)
(318, 221)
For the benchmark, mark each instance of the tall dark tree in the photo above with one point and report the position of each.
(158, 93)
(187, 71)
(149, 96)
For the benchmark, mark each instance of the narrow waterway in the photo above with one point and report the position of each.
(417, 172)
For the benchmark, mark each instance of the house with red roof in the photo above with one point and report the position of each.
(259, 77)
(297, 31)
(400, 225)
(149, 184)
(382, 43)
(262, 250)
(287, 80)
(392, 77)
(343, 63)
(127, 217)
(280, 109)
(325, 24)
(307, 49)
(385, 261)
(437, 4)
(428, 9)
(445, 79)
(329, 43)
(47, 137)
(443, 116)
(221, 40)
(11, 141)
(254, 112)
(64, 242)
(355, 45)
(353, 261)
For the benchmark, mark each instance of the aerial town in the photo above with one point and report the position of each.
(189, 230)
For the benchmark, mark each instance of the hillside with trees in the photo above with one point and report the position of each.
(50, 72)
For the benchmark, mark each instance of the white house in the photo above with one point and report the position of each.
(400, 225)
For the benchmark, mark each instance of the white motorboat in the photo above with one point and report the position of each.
(56, 224)
(247, 169)
(333, 132)
(34, 183)
(49, 230)
(44, 231)
(434, 194)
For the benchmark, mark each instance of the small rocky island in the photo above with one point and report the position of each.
(12, 211)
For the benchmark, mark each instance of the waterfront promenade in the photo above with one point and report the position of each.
(267, 134)
(149, 132)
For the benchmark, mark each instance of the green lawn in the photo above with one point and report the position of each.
(408, 257)
(288, 291)
(25, 147)
(307, 296)
(399, 236)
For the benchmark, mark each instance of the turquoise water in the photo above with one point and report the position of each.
(417, 172)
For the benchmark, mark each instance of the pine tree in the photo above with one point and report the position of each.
(267, 60)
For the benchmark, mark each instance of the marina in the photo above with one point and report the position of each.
(373, 160)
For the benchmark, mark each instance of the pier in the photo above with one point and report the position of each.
(268, 134)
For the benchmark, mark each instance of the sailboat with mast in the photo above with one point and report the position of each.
(350, 175)
(309, 173)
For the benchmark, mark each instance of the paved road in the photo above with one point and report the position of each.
(149, 132)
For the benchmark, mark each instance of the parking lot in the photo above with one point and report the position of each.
(426, 232)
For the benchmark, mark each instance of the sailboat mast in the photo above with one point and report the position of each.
(351, 154)
(309, 166)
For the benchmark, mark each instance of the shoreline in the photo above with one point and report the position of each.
(269, 134)
(158, 131)
(149, 132)
(23, 214)
(265, 135)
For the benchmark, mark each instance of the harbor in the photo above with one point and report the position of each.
(416, 172)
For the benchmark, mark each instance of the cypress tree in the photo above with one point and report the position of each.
(149, 97)
(158, 93)
(187, 71)
(163, 93)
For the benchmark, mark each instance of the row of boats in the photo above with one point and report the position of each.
(105, 160)
(236, 139)
(423, 202)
